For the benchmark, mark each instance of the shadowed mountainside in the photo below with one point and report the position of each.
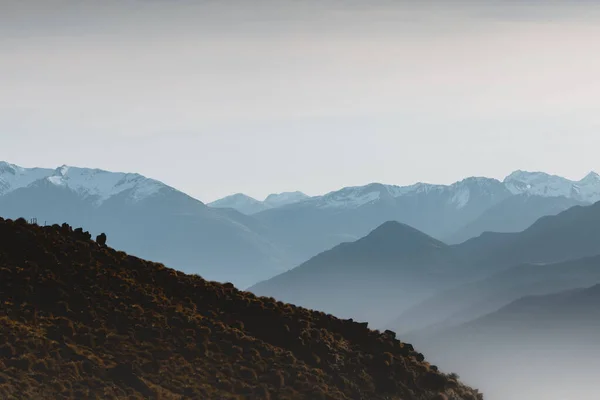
(79, 320)
(372, 278)
(395, 267)
(473, 300)
(530, 342)
(572, 234)
(513, 214)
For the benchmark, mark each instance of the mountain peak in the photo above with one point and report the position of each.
(400, 236)
(102, 184)
(240, 202)
(592, 177)
(13, 177)
(284, 198)
(240, 196)
(7, 168)
(527, 176)
(543, 184)
(392, 227)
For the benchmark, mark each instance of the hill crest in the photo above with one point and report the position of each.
(82, 320)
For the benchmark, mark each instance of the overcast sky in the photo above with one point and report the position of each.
(217, 97)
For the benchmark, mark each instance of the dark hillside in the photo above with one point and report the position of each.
(82, 321)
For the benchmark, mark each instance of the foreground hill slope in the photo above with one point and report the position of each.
(78, 320)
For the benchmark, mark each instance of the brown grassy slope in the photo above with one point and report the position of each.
(81, 321)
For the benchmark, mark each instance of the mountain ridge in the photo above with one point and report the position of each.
(249, 205)
(391, 267)
(517, 182)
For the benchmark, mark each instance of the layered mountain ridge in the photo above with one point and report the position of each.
(284, 230)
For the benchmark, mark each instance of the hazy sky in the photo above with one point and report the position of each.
(216, 97)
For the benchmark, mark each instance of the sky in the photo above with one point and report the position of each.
(219, 97)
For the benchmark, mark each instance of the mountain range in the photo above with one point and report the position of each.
(451, 213)
(291, 228)
(396, 267)
(498, 308)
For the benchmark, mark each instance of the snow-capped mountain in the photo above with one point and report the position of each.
(102, 185)
(542, 184)
(249, 205)
(146, 218)
(13, 177)
(93, 184)
(457, 195)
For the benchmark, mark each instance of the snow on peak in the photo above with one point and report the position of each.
(103, 184)
(351, 197)
(458, 194)
(13, 177)
(543, 184)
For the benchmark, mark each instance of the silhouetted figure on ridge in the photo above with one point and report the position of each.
(101, 239)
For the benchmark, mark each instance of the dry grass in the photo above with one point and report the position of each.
(80, 320)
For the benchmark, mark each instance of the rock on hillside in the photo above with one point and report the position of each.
(79, 320)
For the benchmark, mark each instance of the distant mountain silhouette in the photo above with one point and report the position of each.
(513, 214)
(80, 320)
(248, 205)
(572, 234)
(396, 267)
(241, 203)
(392, 267)
(476, 299)
(529, 343)
(452, 213)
